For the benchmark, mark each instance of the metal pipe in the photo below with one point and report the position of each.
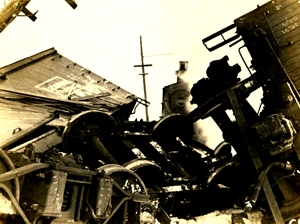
(78, 182)
(77, 219)
(11, 166)
(22, 171)
(97, 144)
(113, 168)
(124, 221)
(116, 208)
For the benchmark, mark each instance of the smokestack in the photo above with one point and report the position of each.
(183, 66)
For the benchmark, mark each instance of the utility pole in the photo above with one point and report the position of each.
(10, 11)
(143, 74)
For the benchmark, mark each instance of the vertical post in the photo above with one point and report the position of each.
(144, 78)
(248, 137)
(143, 74)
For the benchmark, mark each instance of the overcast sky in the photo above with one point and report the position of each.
(103, 36)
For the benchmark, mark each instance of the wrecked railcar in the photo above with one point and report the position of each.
(77, 157)
(267, 140)
(70, 154)
(49, 105)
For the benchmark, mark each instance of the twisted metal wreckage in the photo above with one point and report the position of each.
(70, 154)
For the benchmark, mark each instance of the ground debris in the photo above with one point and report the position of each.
(223, 217)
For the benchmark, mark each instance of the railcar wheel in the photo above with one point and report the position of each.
(89, 134)
(151, 173)
(172, 126)
(130, 200)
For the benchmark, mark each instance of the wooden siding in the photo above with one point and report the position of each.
(280, 19)
(52, 75)
(32, 89)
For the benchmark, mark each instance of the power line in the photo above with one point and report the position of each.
(155, 55)
(120, 21)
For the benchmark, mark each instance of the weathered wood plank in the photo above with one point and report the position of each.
(10, 11)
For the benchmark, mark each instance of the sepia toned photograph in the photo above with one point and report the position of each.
(149, 112)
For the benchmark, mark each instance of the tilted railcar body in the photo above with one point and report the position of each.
(56, 117)
(271, 136)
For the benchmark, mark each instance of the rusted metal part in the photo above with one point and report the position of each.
(44, 194)
(100, 197)
(219, 101)
(236, 107)
(220, 77)
(295, 110)
(41, 143)
(103, 203)
(100, 209)
(276, 133)
(217, 34)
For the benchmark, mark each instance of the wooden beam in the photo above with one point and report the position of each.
(72, 3)
(29, 14)
(10, 11)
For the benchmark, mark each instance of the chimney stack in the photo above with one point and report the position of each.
(183, 66)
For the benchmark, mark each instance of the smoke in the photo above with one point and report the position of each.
(199, 134)
(206, 131)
